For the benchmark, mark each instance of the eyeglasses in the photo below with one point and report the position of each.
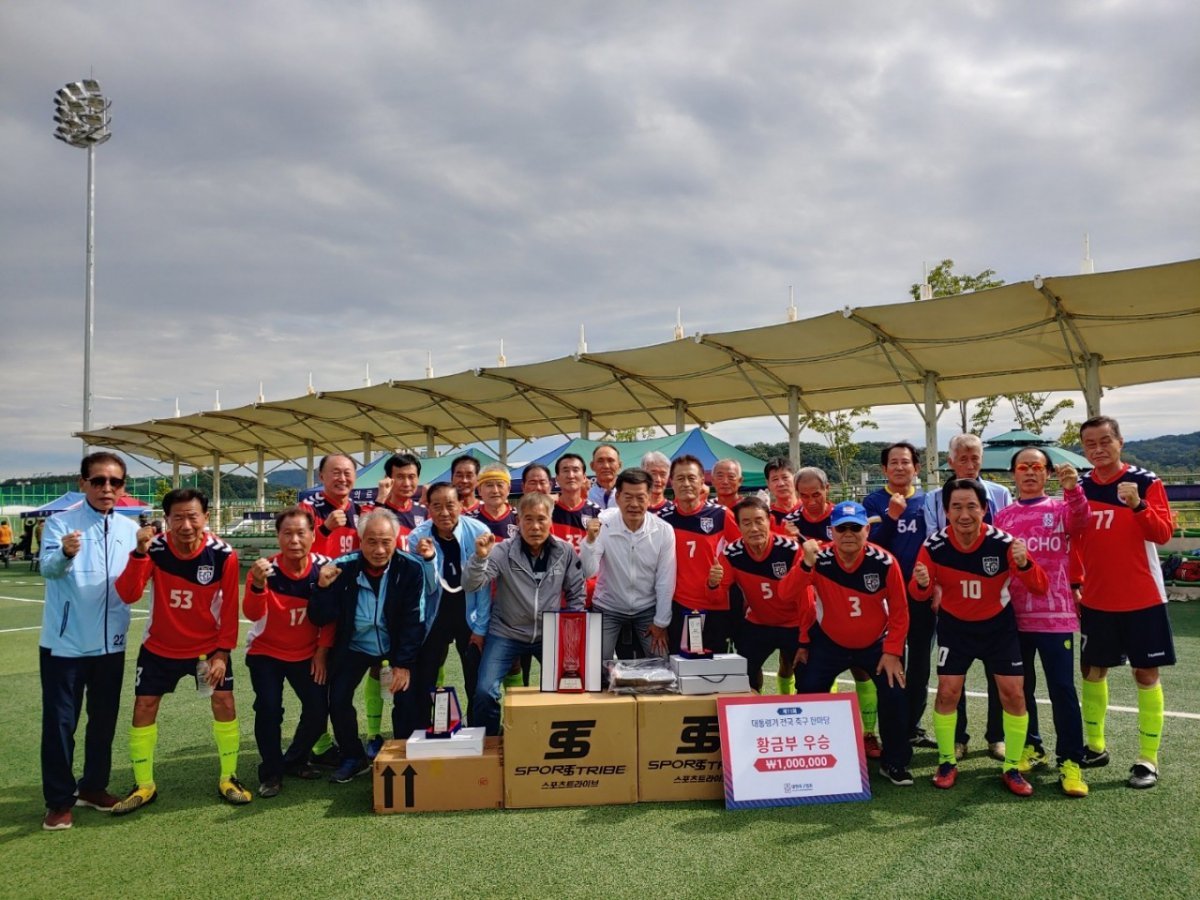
(99, 481)
(1030, 467)
(853, 526)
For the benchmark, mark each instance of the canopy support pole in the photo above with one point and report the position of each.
(1093, 390)
(216, 493)
(430, 442)
(931, 435)
(502, 427)
(366, 455)
(584, 423)
(680, 415)
(308, 464)
(794, 424)
(175, 472)
(261, 481)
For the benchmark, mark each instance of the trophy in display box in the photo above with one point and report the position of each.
(692, 640)
(572, 650)
(446, 714)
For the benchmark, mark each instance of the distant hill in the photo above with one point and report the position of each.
(1167, 453)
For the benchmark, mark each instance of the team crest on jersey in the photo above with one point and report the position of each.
(1047, 520)
(417, 520)
(706, 525)
(204, 574)
(991, 565)
(871, 582)
(512, 531)
(779, 568)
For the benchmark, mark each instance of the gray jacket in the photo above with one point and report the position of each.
(519, 599)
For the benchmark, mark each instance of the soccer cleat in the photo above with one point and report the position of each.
(330, 759)
(1031, 758)
(101, 800)
(996, 750)
(349, 770)
(57, 820)
(1093, 759)
(233, 791)
(140, 796)
(947, 774)
(1143, 775)
(270, 788)
(1015, 782)
(1070, 778)
(374, 745)
(871, 745)
(960, 749)
(897, 775)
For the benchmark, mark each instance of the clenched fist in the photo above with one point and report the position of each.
(72, 542)
(145, 535)
(328, 575)
(425, 548)
(1127, 493)
(1067, 476)
(921, 575)
(811, 548)
(335, 520)
(715, 575)
(897, 504)
(260, 572)
(593, 530)
(1020, 553)
(384, 490)
(484, 544)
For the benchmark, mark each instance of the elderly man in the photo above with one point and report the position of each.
(606, 463)
(373, 598)
(494, 511)
(464, 472)
(455, 614)
(397, 491)
(810, 518)
(632, 556)
(334, 513)
(535, 479)
(82, 645)
(1123, 614)
(658, 466)
(727, 482)
(531, 575)
(1046, 623)
(966, 461)
(972, 563)
(574, 510)
(781, 486)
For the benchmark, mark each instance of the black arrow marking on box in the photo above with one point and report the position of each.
(410, 775)
(388, 797)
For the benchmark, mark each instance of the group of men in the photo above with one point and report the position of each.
(376, 594)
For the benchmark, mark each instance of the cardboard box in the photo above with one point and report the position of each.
(713, 684)
(405, 785)
(569, 750)
(720, 664)
(464, 742)
(679, 748)
(549, 664)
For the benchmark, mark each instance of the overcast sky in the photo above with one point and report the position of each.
(308, 186)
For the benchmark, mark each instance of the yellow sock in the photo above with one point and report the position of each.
(1150, 722)
(1015, 729)
(868, 704)
(373, 701)
(226, 734)
(142, 741)
(1094, 706)
(786, 684)
(944, 726)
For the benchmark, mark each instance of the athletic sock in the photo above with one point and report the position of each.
(142, 741)
(868, 704)
(944, 726)
(1150, 722)
(373, 701)
(441, 678)
(833, 688)
(226, 734)
(786, 684)
(1015, 728)
(324, 742)
(1094, 705)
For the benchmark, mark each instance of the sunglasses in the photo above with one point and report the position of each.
(842, 529)
(1030, 467)
(99, 481)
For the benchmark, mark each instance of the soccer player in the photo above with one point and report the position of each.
(898, 525)
(727, 480)
(701, 532)
(631, 556)
(1123, 614)
(535, 479)
(193, 619)
(284, 646)
(758, 564)
(463, 473)
(606, 463)
(973, 564)
(494, 512)
(397, 492)
(659, 468)
(453, 614)
(334, 513)
(573, 510)
(82, 646)
(966, 461)
(1046, 623)
(373, 597)
(861, 609)
(781, 485)
(531, 574)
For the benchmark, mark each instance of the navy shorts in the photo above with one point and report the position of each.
(157, 675)
(1141, 637)
(993, 641)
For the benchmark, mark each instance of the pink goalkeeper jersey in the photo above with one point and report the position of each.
(1046, 526)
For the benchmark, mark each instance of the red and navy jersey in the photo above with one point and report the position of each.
(815, 529)
(1118, 548)
(409, 518)
(570, 523)
(700, 535)
(194, 608)
(857, 606)
(974, 580)
(657, 508)
(281, 627)
(475, 506)
(772, 598)
(338, 541)
(779, 517)
(503, 527)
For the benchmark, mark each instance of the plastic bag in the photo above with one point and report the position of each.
(652, 675)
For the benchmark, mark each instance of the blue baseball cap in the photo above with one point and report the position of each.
(849, 512)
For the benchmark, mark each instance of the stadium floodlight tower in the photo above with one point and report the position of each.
(83, 116)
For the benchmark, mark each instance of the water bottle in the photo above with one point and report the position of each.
(385, 680)
(203, 688)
